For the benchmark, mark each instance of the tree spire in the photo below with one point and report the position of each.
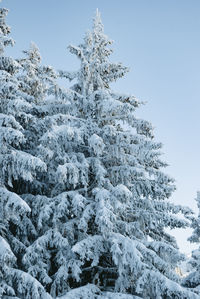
(4, 31)
(97, 23)
(96, 72)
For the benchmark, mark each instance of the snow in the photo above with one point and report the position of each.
(5, 249)
(13, 201)
(83, 194)
(91, 291)
(96, 143)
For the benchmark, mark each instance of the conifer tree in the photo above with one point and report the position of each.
(16, 165)
(49, 107)
(47, 100)
(193, 279)
(83, 200)
(45, 256)
(102, 218)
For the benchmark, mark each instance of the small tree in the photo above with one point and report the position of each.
(193, 279)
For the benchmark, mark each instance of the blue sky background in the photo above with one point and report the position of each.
(159, 41)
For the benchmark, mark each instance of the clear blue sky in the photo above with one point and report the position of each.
(159, 41)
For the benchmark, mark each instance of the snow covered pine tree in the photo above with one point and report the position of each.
(97, 216)
(16, 167)
(193, 279)
(49, 105)
(102, 218)
(121, 211)
(46, 132)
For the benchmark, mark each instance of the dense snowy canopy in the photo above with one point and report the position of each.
(84, 199)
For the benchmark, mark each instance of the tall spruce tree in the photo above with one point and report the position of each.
(122, 243)
(103, 216)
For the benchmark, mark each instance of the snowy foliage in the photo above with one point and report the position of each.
(91, 291)
(19, 168)
(121, 240)
(84, 200)
(193, 279)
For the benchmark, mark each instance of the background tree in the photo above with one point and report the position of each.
(193, 279)
(16, 165)
(54, 131)
(49, 107)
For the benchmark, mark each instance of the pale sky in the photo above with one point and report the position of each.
(159, 41)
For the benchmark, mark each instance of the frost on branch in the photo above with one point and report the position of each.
(96, 143)
(193, 279)
(83, 195)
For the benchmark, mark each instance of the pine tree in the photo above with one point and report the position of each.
(46, 128)
(16, 166)
(47, 100)
(193, 279)
(103, 215)
(46, 254)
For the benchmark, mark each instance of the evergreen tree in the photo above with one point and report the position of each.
(83, 200)
(103, 216)
(47, 100)
(193, 279)
(49, 107)
(16, 166)
(47, 255)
